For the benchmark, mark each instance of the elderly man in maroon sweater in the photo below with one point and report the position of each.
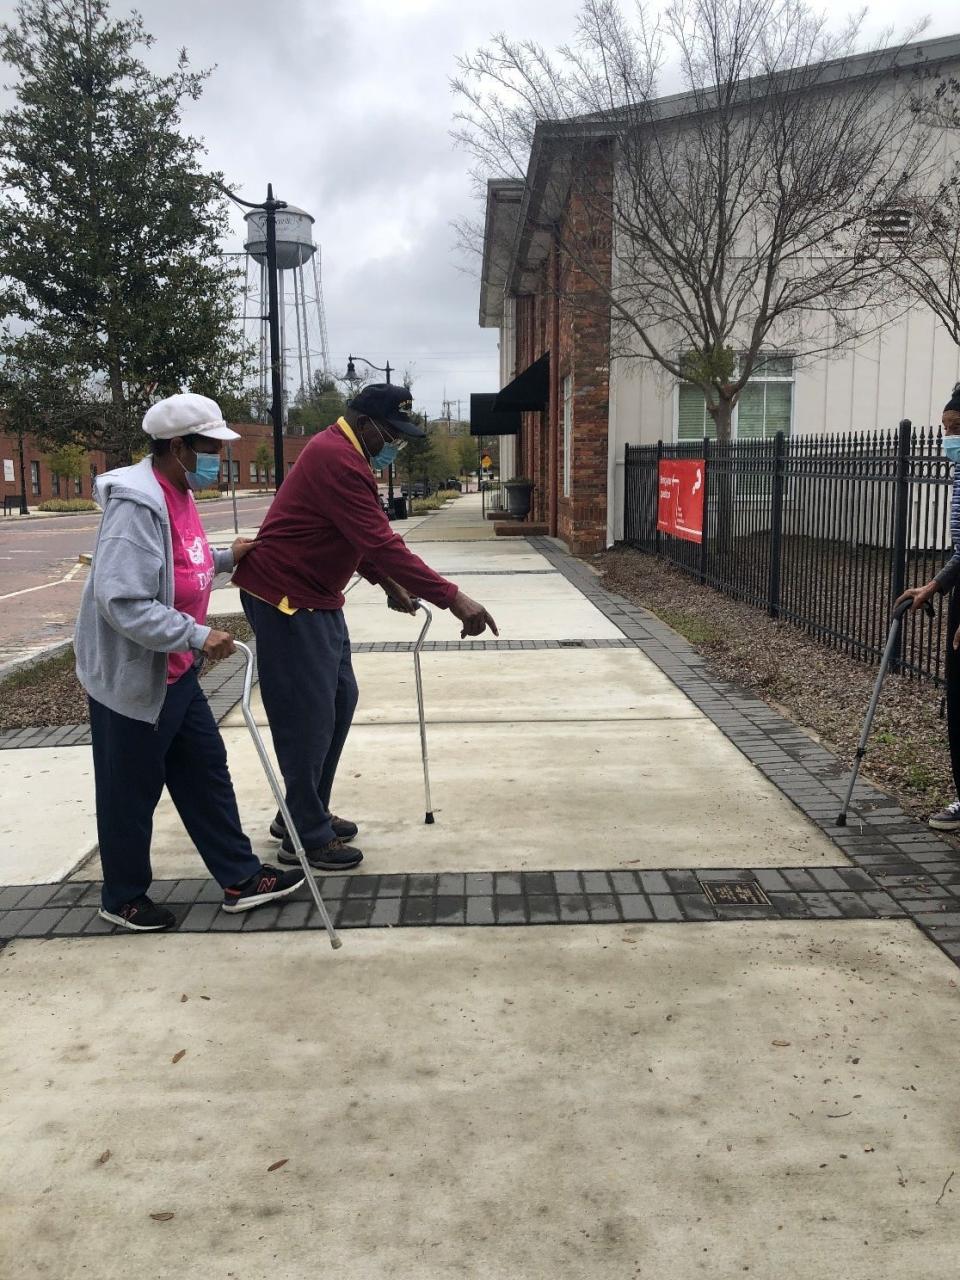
(325, 524)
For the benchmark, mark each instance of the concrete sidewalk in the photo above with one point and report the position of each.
(763, 1089)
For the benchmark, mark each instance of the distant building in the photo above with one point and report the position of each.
(42, 485)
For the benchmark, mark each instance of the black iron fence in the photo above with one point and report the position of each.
(820, 531)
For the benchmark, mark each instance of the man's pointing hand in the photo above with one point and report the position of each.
(474, 616)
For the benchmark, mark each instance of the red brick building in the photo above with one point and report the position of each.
(248, 472)
(549, 309)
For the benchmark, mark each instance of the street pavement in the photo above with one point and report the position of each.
(704, 1094)
(41, 581)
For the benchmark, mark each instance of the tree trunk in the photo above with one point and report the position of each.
(721, 482)
(24, 509)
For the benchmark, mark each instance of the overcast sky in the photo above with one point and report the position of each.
(344, 105)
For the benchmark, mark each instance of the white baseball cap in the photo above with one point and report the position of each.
(187, 414)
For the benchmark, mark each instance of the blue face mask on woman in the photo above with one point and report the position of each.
(207, 471)
(951, 448)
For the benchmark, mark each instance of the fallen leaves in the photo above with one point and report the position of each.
(104, 1156)
(177, 1056)
(184, 998)
(781, 1044)
(162, 1217)
(277, 1164)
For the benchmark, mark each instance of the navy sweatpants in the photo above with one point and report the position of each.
(133, 760)
(309, 694)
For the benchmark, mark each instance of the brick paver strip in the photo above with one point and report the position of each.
(485, 898)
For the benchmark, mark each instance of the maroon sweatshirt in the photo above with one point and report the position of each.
(325, 524)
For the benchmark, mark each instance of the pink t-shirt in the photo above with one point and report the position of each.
(193, 571)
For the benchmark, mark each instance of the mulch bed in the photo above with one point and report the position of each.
(824, 690)
(49, 694)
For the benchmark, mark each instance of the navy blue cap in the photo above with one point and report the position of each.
(391, 405)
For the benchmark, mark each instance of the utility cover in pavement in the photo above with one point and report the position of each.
(735, 893)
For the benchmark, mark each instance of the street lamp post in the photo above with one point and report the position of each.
(270, 207)
(352, 373)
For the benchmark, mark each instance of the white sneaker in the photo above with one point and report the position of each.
(947, 819)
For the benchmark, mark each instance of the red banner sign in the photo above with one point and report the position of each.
(680, 506)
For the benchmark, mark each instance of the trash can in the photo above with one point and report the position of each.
(399, 511)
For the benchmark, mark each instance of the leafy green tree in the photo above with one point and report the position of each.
(320, 405)
(38, 400)
(263, 459)
(67, 463)
(109, 224)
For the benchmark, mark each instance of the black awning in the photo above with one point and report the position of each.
(485, 421)
(529, 390)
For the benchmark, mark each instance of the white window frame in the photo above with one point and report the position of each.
(791, 379)
(567, 390)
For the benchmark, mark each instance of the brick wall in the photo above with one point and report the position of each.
(581, 252)
(252, 435)
(585, 354)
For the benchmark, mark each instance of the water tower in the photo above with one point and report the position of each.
(303, 325)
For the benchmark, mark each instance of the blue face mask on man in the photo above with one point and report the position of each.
(388, 456)
(388, 452)
(207, 471)
(951, 448)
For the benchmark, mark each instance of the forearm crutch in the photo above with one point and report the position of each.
(272, 778)
(893, 636)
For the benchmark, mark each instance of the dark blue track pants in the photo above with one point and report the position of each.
(309, 694)
(132, 762)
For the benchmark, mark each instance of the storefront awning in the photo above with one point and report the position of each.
(485, 421)
(529, 390)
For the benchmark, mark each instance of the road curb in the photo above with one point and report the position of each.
(44, 655)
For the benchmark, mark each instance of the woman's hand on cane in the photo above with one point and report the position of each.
(218, 644)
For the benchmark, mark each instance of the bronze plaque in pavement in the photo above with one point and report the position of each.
(735, 893)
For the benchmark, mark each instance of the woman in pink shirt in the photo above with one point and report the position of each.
(140, 640)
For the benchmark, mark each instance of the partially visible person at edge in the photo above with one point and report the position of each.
(140, 641)
(325, 524)
(947, 579)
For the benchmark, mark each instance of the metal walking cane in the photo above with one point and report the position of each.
(892, 637)
(428, 618)
(268, 769)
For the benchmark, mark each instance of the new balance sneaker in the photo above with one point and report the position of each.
(140, 916)
(266, 885)
(335, 856)
(947, 819)
(343, 829)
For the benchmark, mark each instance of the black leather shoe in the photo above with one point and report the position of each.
(335, 856)
(342, 828)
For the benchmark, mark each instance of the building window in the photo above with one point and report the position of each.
(253, 473)
(78, 486)
(567, 434)
(93, 473)
(693, 420)
(236, 472)
(764, 408)
(55, 486)
(35, 479)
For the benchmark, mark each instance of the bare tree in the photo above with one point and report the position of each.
(926, 232)
(746, 212)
